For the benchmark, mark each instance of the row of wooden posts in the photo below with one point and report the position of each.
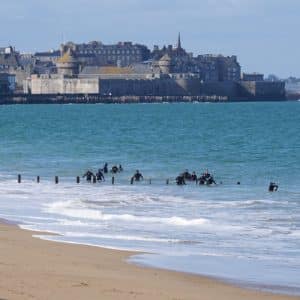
(94, 180)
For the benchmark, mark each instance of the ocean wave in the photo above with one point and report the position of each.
(75, 209)
(121, 237)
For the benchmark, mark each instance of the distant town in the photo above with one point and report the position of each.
(128, 72)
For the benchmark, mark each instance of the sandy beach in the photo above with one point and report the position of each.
(31, 268)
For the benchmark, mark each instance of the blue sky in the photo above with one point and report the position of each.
(264, 34)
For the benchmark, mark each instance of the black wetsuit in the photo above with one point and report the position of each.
(100, 176)
(210, 180)
(187, 175)
(201, 180)
(180, 180)
(194, 177)
(273, 187)
(138, 176)
(114, 169)
(105, 168)
(88, 176)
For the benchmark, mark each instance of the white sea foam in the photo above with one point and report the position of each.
(76, 209)
(120, 237)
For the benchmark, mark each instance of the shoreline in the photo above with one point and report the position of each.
(40, 269)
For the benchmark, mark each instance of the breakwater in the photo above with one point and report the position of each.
(105, 99)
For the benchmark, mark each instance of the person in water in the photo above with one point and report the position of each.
(206, 174)
(105, 168)
(180, 180)
(194, 176)
(273, 187)
(100, 176)
(114, 169)
(137, 176)
(120, 168)
(206, 178)
(89, 175)
(210, 180)
(187, 175)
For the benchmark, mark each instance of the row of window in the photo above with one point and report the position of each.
(110, 52)
(128, 58)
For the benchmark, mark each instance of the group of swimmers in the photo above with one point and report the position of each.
(115, 169)
(99, 175)
(205, 178)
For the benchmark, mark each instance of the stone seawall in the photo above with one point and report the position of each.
(101, 99)
(96, 98)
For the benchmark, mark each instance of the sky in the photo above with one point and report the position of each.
(264, 34)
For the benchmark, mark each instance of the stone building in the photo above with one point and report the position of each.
(48, 56)
(127, 69)
(252, 77)
(209, 67)
(65, 81)
(7, 83)
(67, 65)
(11, 63)
(99, 54)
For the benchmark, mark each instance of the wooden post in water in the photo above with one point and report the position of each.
(19, 178)
(167, 181)
(150, 181)
(77, 179)
(38, 179)
(56, 180)
(113, 180)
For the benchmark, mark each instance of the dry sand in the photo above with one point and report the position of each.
(31, 268)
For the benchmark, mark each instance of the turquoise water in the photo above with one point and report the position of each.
(189, 228)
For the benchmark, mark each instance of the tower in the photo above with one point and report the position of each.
(179, 41)
(67, 64)
(166, 64)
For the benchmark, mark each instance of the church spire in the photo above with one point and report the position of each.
(179, 42)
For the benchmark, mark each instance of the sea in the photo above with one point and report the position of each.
(239, 233)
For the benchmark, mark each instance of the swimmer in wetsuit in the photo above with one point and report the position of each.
(137, 176)
(194, 176)
(100, 176)
(273, 187)
(180, 180)
(89, 174)
(105, 168)
(114, 170)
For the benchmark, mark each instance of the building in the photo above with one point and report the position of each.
(9, 59)
(7, 83)
(99, 54)
(12, 62)
(48, 56)
(127, 69)
(65, 81)
(208, 67)
(252, 77)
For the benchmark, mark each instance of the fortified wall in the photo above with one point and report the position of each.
(263, 89)
(157, 79)
(62, 85)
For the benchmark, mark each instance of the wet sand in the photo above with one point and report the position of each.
(31, 268)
